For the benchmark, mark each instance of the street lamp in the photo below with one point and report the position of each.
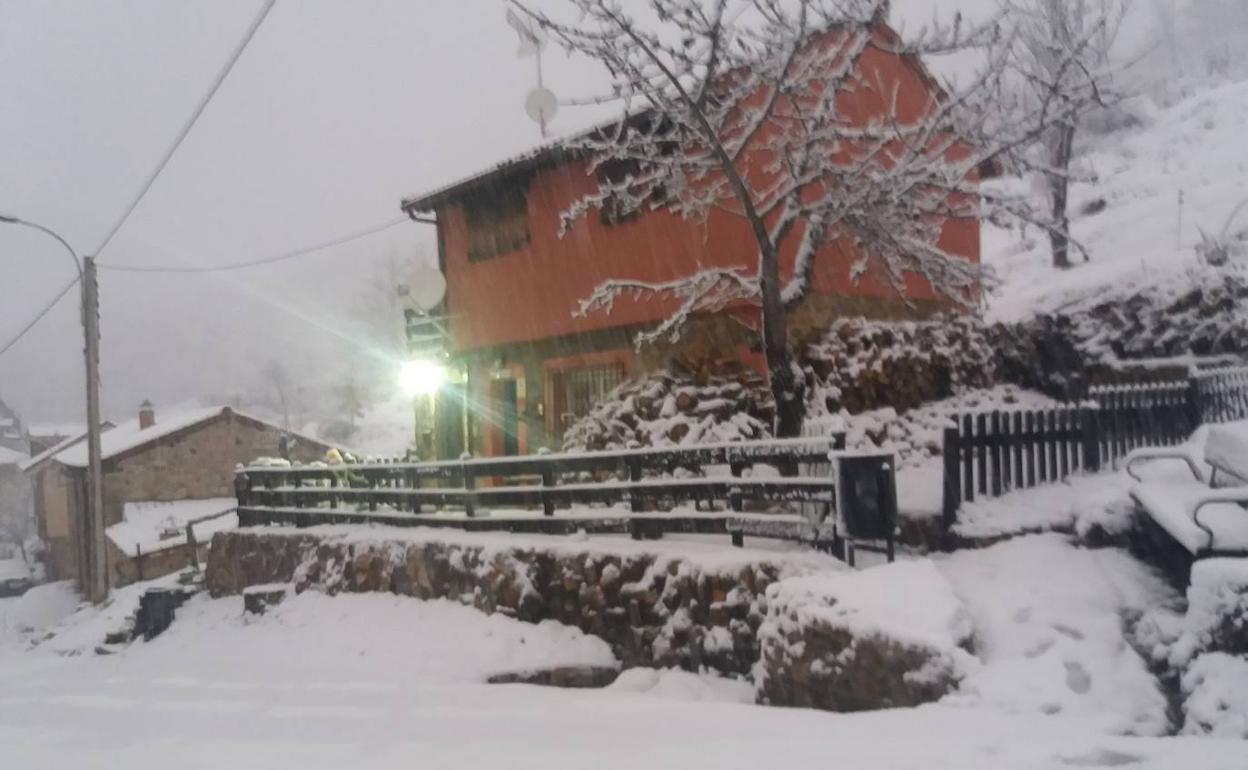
(421, 377)
(94, 573)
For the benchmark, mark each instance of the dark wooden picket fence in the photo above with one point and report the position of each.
(989, 454)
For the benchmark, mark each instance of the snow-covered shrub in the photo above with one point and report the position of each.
(670, 409)
(859, 365)
(891, 636)
(892, 384)
(1200, 312)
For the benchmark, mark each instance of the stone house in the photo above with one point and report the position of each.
(528, 363)
(187, 457)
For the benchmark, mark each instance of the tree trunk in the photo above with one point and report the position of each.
(1059, 188)
(788, 390)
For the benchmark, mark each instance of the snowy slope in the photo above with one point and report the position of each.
(1195, 147)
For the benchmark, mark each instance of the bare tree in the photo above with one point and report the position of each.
(737, 106)
(1058, 55)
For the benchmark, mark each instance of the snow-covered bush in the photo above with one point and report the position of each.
(859, 365)
(891, 384)
(1200, 312)
(670, 409)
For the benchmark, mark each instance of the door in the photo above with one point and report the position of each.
(510, 413)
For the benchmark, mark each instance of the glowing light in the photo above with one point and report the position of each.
(421, 377)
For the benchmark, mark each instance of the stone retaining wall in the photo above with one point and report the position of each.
(657, 605)
(653, 609)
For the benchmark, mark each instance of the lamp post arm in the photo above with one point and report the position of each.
(48, 231)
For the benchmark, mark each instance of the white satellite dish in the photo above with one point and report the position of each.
(541, 105)
(425, 288)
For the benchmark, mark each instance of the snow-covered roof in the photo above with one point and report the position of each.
(153, 526)
(11, 456)
(129, 435)
(52, 451)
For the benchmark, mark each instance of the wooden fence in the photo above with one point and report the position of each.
(400, 492)
(987, 454)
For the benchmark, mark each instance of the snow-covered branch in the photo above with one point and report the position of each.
(707, 291)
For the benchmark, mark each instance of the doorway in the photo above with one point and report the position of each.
(504, 395)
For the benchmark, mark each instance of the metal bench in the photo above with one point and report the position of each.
(1200, 516)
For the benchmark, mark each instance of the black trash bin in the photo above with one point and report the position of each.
(867, 501)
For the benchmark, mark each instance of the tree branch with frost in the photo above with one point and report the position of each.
(707, 291)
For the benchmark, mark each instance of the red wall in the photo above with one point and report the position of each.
(531, 293)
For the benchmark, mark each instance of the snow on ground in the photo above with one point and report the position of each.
(28, 616)
(1049, 620)
(1074, 505)
(909, 601)
(381, 681)
(674, 684)
(1195, 146)
(1215, 687)
(152, 526)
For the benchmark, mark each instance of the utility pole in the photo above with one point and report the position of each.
(96, 578)
(92, 556)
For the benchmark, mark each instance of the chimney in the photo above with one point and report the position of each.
(147, 415)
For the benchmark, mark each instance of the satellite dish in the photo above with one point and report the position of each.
(541, 105)
(425, 288)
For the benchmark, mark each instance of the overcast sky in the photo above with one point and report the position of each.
(335, 112)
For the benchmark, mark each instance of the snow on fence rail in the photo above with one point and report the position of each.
(987, 454)
(398, 491)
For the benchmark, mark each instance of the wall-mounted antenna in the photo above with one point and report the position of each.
(541, 104)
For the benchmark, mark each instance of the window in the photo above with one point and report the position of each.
(498, 220)
(579, 390)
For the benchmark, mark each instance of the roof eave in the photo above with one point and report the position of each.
(541, 157)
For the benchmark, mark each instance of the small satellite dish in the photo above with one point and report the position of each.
(425, 288)
(541, 105)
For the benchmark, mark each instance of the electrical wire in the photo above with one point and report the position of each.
(46, 309)
(262, 261)
(186, 129)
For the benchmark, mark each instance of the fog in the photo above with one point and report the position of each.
(334, 113)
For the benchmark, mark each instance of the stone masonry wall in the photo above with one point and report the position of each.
(195, 464)
(654, 610)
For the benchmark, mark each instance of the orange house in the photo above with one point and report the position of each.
(513, 284)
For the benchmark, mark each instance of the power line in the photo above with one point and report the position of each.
(46, 309)
(186, 129)
(263, 260)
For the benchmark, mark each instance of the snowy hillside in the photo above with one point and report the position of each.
(1194, 149)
